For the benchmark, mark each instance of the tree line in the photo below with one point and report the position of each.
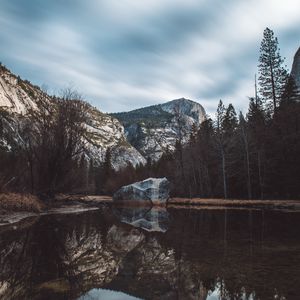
(251, 156)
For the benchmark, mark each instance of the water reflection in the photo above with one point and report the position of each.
(96, 294)
(206, 255)
(147, 218)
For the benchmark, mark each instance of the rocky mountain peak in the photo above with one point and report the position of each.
(153, 130)
(17, 95)
(186, 107)
(296, 68)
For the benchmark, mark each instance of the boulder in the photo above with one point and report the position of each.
(152, 191)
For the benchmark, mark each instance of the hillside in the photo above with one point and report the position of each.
(18, 96)
(154, 129)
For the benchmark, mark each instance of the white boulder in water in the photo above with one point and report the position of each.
(150, 191)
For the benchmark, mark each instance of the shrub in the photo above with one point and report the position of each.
(20, 202)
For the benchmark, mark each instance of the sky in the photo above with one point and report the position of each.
(126, 54)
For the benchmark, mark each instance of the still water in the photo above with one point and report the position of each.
(128, 254)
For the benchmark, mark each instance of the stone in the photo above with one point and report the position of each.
(154, 130)
(152, 191)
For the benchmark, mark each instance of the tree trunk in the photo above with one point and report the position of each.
(224, 174)
(260, 176)
(248, 172)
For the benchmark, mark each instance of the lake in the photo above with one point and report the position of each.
(143, 253)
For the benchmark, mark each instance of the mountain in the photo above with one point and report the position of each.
(132, 136)
(154, 129)
(17, 96)
(296, 68)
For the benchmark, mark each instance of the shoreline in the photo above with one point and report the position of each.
(94, 199)
(10, 218)
(231, 203)
(14, 213)
(67, 204)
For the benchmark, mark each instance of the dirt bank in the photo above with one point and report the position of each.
(16, 207)
(11, 202)
(235, 203)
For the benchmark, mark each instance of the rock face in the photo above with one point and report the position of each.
(296, 68)
(153, 130)
(147, 192)
(132, 136)
(18, 96)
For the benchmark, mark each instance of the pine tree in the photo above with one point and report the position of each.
(220, 142)
(229, 127)
(230, 121)
(272, 74)
(257, 134)
(207, 159)
(244, 134)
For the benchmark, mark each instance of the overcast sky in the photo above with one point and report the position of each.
(124, 54)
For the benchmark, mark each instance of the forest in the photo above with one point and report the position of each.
(251, 156)
(254, 155)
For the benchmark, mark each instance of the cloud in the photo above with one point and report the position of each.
(126, 54)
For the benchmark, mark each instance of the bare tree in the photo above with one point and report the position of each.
(53, 137)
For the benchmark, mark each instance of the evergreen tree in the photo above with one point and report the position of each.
(207, 160)
(232, 152)
(244, 134)
(256, 123)
(220, 142)
(230, 122)
(272, 74)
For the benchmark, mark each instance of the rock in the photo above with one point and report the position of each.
(296, 68)
(154, 130)
(148, 192)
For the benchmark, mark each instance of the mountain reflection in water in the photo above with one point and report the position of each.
(197, 254)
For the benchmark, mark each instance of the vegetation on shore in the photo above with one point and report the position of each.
(11, 202)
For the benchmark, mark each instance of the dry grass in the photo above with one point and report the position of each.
(232, 203)
(20, 202)
(57, 286)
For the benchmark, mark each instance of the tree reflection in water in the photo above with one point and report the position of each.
(174, 254)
